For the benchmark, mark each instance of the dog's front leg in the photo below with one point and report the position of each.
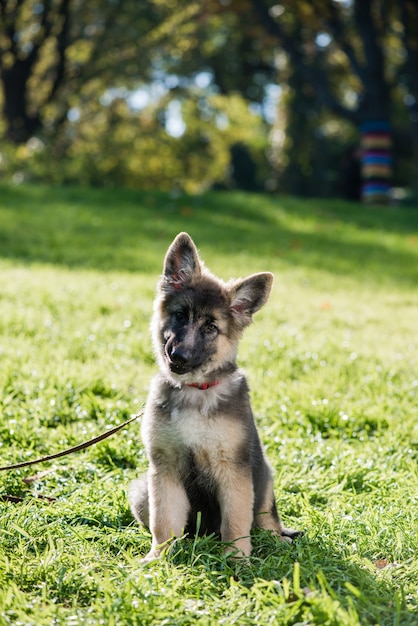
(236, 499)
(169, 507)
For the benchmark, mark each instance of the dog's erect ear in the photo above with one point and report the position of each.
(249, 295)
(181, 263)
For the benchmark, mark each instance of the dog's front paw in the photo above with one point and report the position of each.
(239, 549)
(153, 555)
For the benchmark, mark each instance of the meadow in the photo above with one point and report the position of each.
(332, 361)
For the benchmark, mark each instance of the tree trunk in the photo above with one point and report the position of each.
(376, 162)
(20, 124)
(414, 128)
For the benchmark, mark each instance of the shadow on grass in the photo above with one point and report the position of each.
(322, 570)
(130, 231)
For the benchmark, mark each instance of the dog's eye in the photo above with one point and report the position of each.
(211, 328)
(180, 316)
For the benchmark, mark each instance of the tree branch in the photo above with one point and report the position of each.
(410, 42)
(312, 74)
(31, 58)
(367, 30)
(376, 103)
(9, 20)
(62, 45)
(97, 45)
(340, 35)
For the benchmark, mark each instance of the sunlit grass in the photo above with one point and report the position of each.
(332, 363)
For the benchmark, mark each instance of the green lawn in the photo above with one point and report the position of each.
(333, 364)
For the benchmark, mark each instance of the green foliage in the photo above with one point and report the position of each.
(68, 71)
(332, 363)
(112, 145)
(55, 56)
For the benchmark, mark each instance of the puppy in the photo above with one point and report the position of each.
(205, 455)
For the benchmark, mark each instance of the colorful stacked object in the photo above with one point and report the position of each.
(376, 161)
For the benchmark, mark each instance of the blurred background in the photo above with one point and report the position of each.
(307, 97)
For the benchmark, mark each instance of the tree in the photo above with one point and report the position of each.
(325, 41)
(53, 50)
(68, 70)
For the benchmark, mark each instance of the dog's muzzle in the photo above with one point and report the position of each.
(179, 360)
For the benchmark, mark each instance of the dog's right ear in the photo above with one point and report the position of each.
(180, 264)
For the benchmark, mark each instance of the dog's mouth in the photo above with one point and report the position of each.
(178, 368)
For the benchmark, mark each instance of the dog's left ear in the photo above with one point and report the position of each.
(181, 263)
(249, 295)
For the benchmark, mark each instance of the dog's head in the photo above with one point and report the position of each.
(198, 319)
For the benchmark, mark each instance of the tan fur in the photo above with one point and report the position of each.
(236, 499)
(169, 507)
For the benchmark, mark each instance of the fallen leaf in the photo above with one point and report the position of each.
(32, 479)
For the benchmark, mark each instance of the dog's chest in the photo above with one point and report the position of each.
(195, 431)
(186, 421)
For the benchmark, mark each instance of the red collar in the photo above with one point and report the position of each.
(203, 386)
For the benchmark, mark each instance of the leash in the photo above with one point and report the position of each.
(80, 446)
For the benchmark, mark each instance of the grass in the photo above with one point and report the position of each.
(332, 362)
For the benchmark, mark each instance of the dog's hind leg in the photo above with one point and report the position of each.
(288, 534)
(268, 518)
(139, 500)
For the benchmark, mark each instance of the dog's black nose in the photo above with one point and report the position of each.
(179, 357)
